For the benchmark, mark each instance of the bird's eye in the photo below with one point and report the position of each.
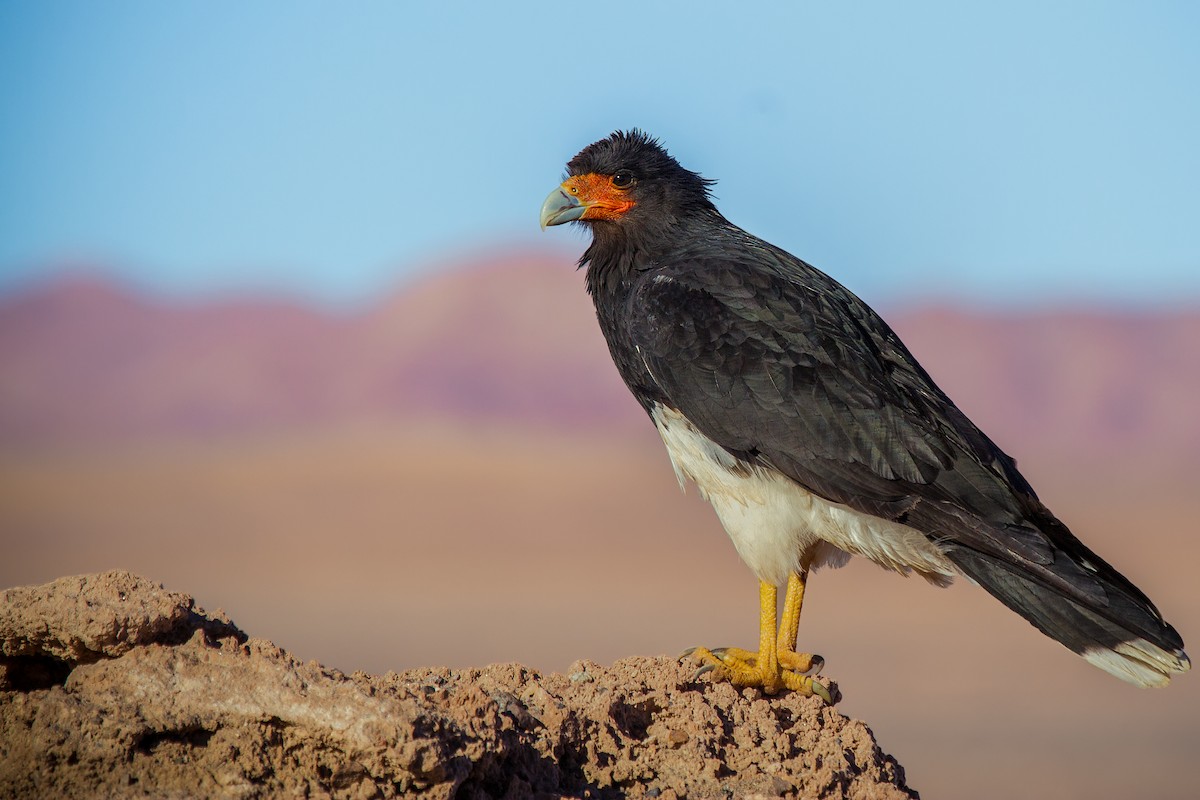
(623, 179)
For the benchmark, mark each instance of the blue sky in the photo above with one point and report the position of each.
(998, 153)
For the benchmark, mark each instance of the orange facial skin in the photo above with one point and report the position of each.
(603, 200)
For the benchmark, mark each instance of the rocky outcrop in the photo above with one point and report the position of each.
(111, 686)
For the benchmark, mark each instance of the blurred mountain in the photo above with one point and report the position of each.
(1077, 382)
(513, 337)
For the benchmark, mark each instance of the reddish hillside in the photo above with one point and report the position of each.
(1090, 382)
(515, 338)
(83, 359)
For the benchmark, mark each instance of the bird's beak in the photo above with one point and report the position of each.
(560, 207)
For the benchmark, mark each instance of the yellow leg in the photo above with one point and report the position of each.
(789, 627)
(776, 665)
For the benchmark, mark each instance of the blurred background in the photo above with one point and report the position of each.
(277, 329)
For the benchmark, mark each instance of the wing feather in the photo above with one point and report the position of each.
(777, 374)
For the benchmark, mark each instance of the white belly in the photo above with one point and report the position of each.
(775, 523)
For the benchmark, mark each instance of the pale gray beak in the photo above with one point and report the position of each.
(561, 207)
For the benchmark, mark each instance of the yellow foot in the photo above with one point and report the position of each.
(803, 663)
(776, 664)
(744, 668)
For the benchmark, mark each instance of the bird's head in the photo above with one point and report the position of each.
(624, 178)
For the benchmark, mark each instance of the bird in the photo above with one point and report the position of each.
(814, 432)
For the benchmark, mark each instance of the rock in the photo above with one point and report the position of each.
(111, 686)
(45, 631)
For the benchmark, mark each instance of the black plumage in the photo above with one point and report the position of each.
(788, 371)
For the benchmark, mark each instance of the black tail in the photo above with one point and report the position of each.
(1081, 601)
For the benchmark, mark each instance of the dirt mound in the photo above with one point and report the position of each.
(111, 686)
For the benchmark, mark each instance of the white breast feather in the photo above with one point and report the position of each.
(775, 522)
